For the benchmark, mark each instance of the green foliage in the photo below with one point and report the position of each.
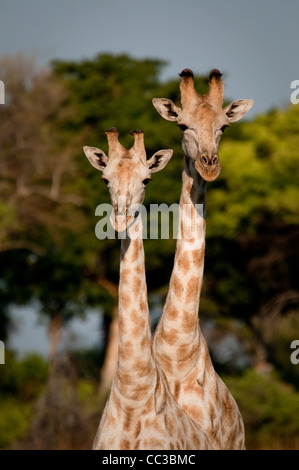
(259, 176)
(88, 363)
(23, 378)
(117, 91)
(270, 410)
(252, 231)
(21, 383)
(109, 91)
(49, 193)
(14, 421)
(59, 190)
(285, 329)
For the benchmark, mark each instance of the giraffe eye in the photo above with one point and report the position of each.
(146, 181)
(182, 127)
(105, 181)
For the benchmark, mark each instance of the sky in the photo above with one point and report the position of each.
(253, 43)
(30, 332)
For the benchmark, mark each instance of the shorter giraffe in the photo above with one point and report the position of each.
(140, 412)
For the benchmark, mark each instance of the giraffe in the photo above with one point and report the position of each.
(140, 412)
(178, 343)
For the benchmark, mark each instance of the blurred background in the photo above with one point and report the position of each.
(73, 69)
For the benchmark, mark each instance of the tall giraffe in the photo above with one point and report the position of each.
(179, 344)
(140, 412)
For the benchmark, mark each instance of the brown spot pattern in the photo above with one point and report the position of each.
(127, 422)
(124, 444)
(143, 305)
(173, 312)
(135, 253)
(184, 263)
(137, 445)
(136, 286)
(137, 429)
(197, 257)
(126, 300)
(177, 286)
(171, 336)
(190, 322)
(125, 275)
(192, 289)
(177, 388)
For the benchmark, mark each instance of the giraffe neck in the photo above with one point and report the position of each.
(177, 340)
(135, 369)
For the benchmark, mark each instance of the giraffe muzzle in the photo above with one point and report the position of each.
(208, 166)
(121, 222)
(121, 217)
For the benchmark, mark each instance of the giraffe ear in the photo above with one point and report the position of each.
(237, 109)
(166, 108)
(159, 160)
(97, 157)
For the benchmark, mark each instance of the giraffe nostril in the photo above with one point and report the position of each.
(204, 159)
(215, 160)
(207, 160)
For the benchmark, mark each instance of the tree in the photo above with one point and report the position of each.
(41, 208)
(252, 229)
(49, 194)
(117, 91)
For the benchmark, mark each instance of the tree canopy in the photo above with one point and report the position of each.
(49, 193)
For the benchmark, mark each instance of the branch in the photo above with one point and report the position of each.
(25, 191)
(56, 178)
(109, 286)
(275, 305)
(22, 245)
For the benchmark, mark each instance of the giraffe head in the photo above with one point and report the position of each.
(126, 173)
(202, 120)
